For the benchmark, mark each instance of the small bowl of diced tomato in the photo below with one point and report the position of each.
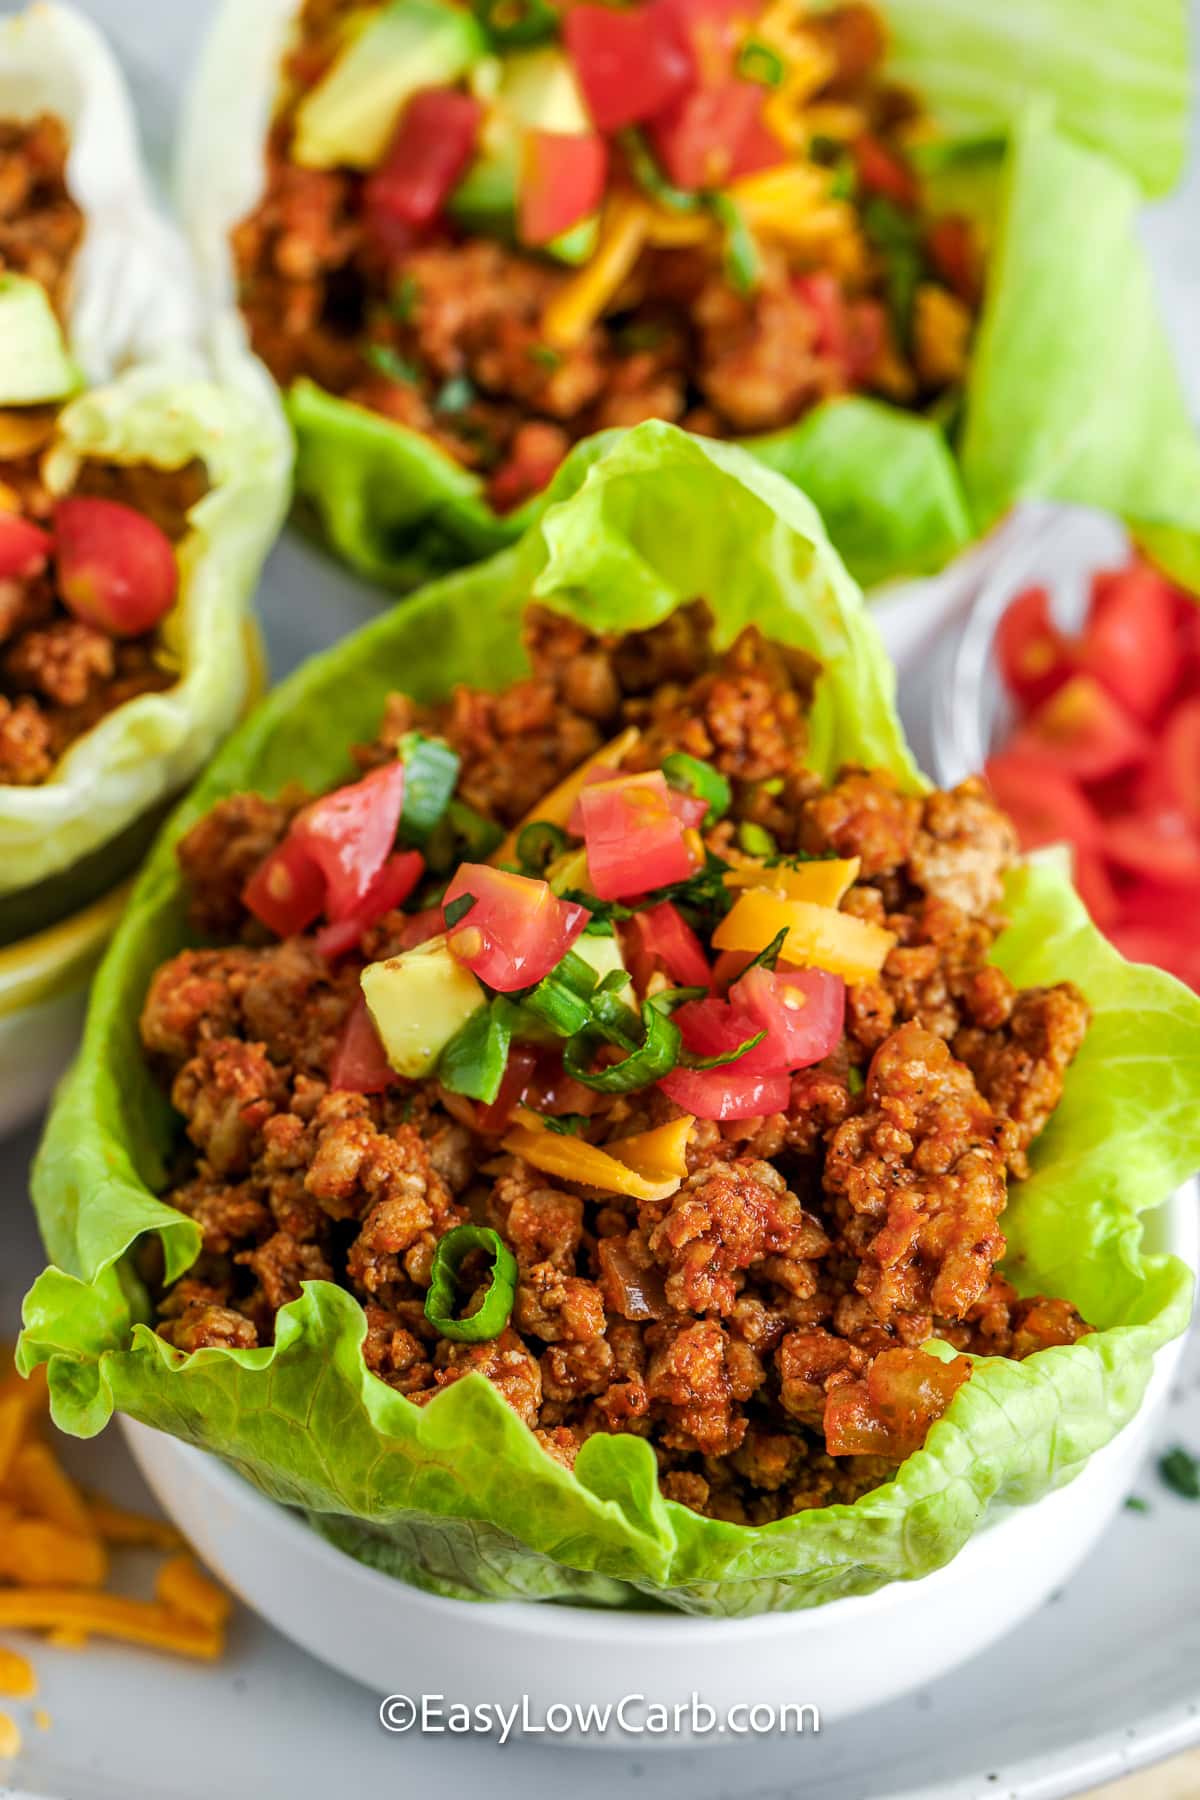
(1076, 684)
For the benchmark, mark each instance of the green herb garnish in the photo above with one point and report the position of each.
(457, 910)
(1181, 1472)
(389, 362)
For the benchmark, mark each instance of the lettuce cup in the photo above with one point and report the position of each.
(618, 1133)
(142, 480)
(862, 239)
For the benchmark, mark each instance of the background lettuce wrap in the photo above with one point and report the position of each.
(140, 384)
(457, 1496)
(1069, 333)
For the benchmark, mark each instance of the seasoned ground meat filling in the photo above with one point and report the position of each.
(761, 1323)
(452, 333)
(41, 227)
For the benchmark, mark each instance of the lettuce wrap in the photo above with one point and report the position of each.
(149, 385)
(1055, 182)
(457, 1496)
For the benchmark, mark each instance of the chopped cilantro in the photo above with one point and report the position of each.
(458, 909)
(389, 362)
(1181, 1472)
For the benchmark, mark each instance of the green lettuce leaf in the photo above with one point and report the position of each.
(1116, 74)
(1072, 393)
(145, 752)
(457, 1496)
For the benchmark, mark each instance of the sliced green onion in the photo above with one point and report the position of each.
(454, 395)
(389, 362)
(474, 1061)
(514, 23)
(458, 909)
(553, 1004)
(691, 776)
(743, 264)
(656, 1057)
(404, 299)
(646, 172)
(758, 62)
(766, 959)
(480, 835)
(538, 844)
(1181, 1472)
(496, 1308)
(430, 773)
(756, 840)
(565, 1124)
(688, 1061)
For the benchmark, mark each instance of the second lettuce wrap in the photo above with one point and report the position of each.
(147, 388)
(457, 1496)
(1069, 335)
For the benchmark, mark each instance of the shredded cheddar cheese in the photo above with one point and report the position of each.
(54, 1560)
(818, 937)
(584, 299)
(649, 1166)
(823, 883)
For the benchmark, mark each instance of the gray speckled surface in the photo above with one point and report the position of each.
(1106, 1678)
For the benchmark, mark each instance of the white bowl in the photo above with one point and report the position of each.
(44, 982)
(841, 1658)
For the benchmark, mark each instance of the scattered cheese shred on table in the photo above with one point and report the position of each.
(54, 1558)
(10, 1738)
(17, 1679)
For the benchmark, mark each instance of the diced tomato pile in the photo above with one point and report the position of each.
(669, 66)
(1106, 756)
(339, 859)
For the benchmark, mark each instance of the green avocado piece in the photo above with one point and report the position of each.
(418, 1001)
(349, 117)
(535, 90)
(35, 365)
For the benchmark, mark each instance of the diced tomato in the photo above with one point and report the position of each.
(562, 182)
(518, 1073)
(1174, 775)
(714, 1027)
(1084, 730)
(635, 842)
(825, 298)
(390, 889)
(1170, 908)
(1045, 805)
(286, 891)
(525, 473)
(24, 548)
(955, 256)
(1035, 657)
(429, 154)
(1095, 888)
(630, 64)
(350, 833)
(360, 1064)
(1129, 643)
(516, 932)
(869, 335)
(709, 32)
(727, 1093)
(713, 135)
(668, 940)
(803, 1012)
(1176, 951)
(116, 568)
(882, 171)
(1160, 846)
(689, 809)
